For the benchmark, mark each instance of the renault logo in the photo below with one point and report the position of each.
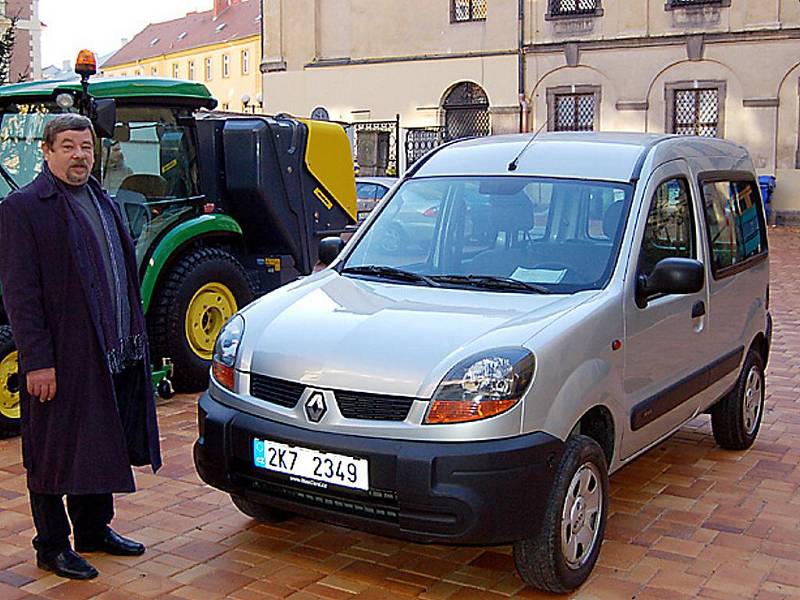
(316, 407)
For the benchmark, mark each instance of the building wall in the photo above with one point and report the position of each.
(26, 62)
(227, 90)
(367, 60)
(636, 48)
(372, 60)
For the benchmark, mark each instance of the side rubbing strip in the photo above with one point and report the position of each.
(660, 404)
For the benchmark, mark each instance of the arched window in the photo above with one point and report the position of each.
(466, 112)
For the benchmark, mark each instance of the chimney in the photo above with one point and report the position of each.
(220, 6)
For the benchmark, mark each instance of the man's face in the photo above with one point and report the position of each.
(72, 156)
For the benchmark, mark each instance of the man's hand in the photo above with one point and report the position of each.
(42, 384)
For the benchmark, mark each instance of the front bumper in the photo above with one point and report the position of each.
(492, 492)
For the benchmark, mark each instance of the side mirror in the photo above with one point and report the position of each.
(671, 276)
(104, 117)
(329, 249)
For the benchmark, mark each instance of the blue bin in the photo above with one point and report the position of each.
(767, 185)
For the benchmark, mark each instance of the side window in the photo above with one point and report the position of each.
(670, 226)
(735, 225)
(366, 191)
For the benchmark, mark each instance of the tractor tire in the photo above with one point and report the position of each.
(201, 291)
(9, 385)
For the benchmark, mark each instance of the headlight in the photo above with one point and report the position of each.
(225, 350)
(482, 386)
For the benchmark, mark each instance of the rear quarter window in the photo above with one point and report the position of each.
(735, 221)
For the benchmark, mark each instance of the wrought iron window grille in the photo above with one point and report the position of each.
(467, 10)
(690, 3)
(573, 108)
(696, 112)
(574, 8)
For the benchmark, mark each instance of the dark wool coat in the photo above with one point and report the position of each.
(75, 443)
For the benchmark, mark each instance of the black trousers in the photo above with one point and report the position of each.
(90, 515)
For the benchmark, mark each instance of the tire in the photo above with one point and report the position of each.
(194, 300)
(736, 418)
(260, 512)
(579, 493)
(9, 385)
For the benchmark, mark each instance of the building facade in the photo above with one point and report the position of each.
(220, 48)
(448, 68)
(26, 62)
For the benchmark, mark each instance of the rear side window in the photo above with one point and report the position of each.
(670, 226)
(736, 230)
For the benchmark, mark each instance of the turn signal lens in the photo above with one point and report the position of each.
(482, 386)
(223, 374)
(454, 411)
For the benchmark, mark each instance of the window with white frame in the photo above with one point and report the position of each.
(176, 70)
(191, 70)
(245, 62)
(226, 65)
(209, 68)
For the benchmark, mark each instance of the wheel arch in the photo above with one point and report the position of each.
(204, 231)
(597, 423)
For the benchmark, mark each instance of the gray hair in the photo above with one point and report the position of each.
(66, 122)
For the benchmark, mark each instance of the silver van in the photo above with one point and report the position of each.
(560, 305)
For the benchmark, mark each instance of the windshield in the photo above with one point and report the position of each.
(149, 167)
(555, 235)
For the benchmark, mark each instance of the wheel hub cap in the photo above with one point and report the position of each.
(581, 515)
(210, 308)
(752, 400)
(9, 386)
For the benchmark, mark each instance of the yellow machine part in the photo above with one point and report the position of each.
(330, 160)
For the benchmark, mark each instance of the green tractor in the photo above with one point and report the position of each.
(222, 208)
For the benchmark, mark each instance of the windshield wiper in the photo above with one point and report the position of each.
(8, 179)
(390, 273)
(491, 282)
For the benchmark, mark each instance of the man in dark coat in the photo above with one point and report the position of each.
(71, 290)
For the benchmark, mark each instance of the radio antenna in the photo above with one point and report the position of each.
(512, 166)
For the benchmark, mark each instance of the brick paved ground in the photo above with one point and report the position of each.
(687, 520)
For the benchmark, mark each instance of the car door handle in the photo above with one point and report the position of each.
(698, 309)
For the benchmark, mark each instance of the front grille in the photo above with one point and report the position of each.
(355, 405)
(352, 405)
(375, 509)
(276, 391)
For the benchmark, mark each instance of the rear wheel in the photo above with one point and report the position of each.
(197, 296)
(260, 512)
(9, 385)
(736, 419)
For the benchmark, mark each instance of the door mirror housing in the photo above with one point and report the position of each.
(329, 249)
(671, 276)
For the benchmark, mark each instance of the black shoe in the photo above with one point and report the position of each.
(68, 564)
(111, 543)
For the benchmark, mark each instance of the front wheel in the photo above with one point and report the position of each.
(195, 299)
(9, 385)
(561, 556)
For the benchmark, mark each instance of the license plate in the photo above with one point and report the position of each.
(311, 467)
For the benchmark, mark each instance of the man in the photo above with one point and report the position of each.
(71, 291)
(115, 168)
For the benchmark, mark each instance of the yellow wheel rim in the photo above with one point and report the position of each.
(209, 309)
(9, 386)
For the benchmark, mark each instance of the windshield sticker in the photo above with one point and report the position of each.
(538, 275)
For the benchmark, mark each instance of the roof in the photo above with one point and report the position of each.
(238, 21)
(584, 155)
(118, 87)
